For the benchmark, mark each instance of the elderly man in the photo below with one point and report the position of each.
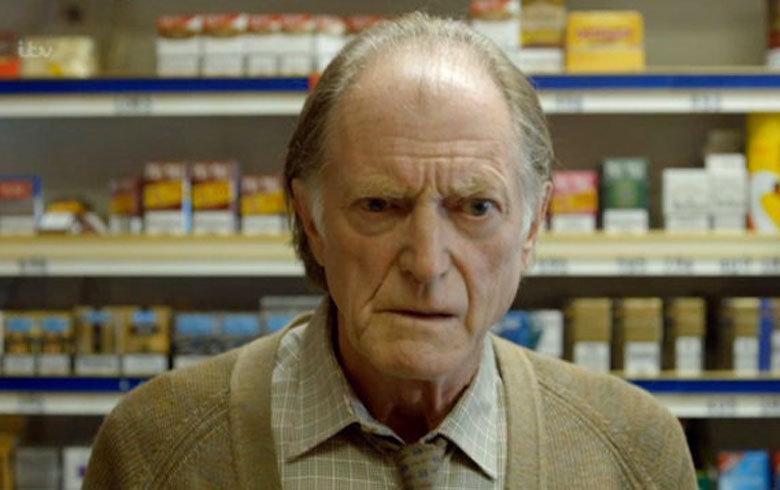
(419, 175)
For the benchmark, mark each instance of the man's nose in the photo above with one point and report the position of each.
(426, 252)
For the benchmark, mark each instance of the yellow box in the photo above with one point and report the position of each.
(605, 41)
(543, 23)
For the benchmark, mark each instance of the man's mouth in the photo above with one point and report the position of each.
(424, 315)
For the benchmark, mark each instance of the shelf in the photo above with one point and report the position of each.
(685, 398)
(602, 255)
(560, 94)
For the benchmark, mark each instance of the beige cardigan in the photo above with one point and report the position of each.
(209, 426)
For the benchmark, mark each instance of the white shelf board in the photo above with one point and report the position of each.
(654, 254)
(45, 403)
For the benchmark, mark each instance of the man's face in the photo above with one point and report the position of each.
(422, 215)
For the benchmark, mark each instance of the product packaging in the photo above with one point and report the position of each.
(769, 336)
(686, 199)
(147, 340)
(74, 466)
(223, 45)
(685, 335)
(499, 20)
(543, 25)
(37, 468)
(624, 190)
(167, 198)
(58, 57)
(729, 190)
(10, 64)
(574, 201)
(743, 470)
(262, 45)
(516, 327)
(179, 45)
(638, 336)
(263, 209)
(126, 212)
(21, 204)
(57, 334)
(549, 324)
(22, 343)
(329, 37)
(773, 44)
(71, 217)
(739, 318)
(589, 328)
(99, 340)
(277, 311)
(197, 337)
(239, 329)
(215, 197)
(605, 41)
(763, 155)
(297, 57)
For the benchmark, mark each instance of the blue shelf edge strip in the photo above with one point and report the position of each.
(542, 82)
(710, 386)
(69, 385)
(657, 386)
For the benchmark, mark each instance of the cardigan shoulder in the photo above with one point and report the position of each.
(159, 424)
(588, 412)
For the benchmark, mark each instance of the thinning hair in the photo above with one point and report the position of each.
(306, 152)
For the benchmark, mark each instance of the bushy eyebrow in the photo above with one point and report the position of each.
(380, 185)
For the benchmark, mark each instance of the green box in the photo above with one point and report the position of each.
(624, 183)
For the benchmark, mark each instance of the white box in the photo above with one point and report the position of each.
(329, 38)
(550, 322)
(498, 21)
(297, 49)
(144, 364)
(642, 358)
(686, 199)
(188, 360)
(729, 185)
(54, 364)
(263, 44)
(538, 60)
(689, 355)
(97, 365)
(592, 355)
(179, 45)
(574, 223)
(19, 365)
(223, 45)
(37, 468)
(626, 220)
(745, 351)
(74, 466)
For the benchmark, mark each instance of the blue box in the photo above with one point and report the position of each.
(743, 470)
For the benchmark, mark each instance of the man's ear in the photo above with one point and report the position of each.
(533, 232)
(302, 203)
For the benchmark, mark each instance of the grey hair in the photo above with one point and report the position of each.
(306, 150)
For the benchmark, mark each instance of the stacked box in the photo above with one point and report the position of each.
(684, 340)
(37, 468)
(263, 209)
(57, 334)
(197, 336)
(763, 154)
(769, 336)
(223, 45)
(7, 453)
(638, 336)
(739, 326)
(605, 41)
(359, 23)
(262, 43)
(10, 64)
(179, 45)
(126, 210)
(329, 38)
(743, 470)
(297, 56)
(498, 20)
(574, 201)
(167, 198)
(549, 324)
(74, 466)
(543, 25)
(589, 325)
(776, 469)
(516, 327)
(21, 204)
(22, 343)
(624, 190)
(98, 340)
(686, 199)
(239, 329)
(277, 311)
(58, 57)
(729, 187)
(215, 187)
(147, 340)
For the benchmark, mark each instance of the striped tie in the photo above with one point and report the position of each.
(419, 463)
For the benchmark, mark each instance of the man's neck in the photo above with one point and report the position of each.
(410, 407)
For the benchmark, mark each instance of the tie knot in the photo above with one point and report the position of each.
(419, 463)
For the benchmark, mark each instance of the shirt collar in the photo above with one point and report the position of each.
(326, 403)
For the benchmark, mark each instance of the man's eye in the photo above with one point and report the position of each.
(478, 207)
(375, 205)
